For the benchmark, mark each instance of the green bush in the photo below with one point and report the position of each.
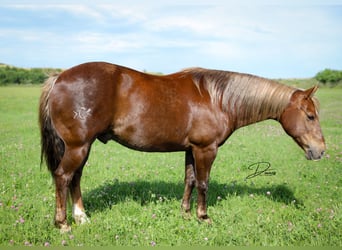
(329, 76)
(14, 75)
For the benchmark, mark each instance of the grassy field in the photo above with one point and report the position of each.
(133, 198)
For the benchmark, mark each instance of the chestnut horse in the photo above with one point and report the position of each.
(194, 110)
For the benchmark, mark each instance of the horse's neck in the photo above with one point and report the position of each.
(245, 99)
(254, 101)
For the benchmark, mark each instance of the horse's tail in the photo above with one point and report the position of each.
(52, 146)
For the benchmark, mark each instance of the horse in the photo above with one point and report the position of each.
(194, 110)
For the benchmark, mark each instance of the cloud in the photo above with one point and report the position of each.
(147, 33)
(104, 43)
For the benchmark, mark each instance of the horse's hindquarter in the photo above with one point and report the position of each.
(80, 105)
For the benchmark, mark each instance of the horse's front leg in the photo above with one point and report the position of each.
(189, 182)
(204, 158)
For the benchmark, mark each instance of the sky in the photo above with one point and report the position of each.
(274, 38)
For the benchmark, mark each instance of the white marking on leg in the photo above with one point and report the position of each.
(79, 215)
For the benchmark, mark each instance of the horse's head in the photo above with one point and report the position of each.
(300, 120)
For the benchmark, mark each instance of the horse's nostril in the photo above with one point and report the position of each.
(322, 153)
(310, 155)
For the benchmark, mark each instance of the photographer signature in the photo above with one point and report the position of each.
(260, 169)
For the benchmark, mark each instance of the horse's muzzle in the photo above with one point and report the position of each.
(314, 154)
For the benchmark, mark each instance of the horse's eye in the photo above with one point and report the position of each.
(311, 117)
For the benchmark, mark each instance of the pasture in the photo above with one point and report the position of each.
(133, 198)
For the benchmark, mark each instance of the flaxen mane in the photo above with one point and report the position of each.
(255, 97)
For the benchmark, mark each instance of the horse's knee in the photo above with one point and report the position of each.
(202, 187)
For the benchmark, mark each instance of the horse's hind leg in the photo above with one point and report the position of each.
(78, 212)
(74, 158)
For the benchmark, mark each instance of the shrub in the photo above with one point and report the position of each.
(14, 75)
(333, 77)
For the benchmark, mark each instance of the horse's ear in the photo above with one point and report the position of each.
(311, 91)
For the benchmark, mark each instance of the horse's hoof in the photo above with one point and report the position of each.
(186, 215)
(205, 219)
(81, 219)
(64, 228)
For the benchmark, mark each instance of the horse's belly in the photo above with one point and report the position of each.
(154, 137)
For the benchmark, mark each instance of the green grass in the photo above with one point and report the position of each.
(133, 198)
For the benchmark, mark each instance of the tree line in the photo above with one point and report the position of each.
(14, 75)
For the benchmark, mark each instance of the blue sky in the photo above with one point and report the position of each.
(276, 39)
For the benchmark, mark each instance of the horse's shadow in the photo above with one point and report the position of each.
(144, 192)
